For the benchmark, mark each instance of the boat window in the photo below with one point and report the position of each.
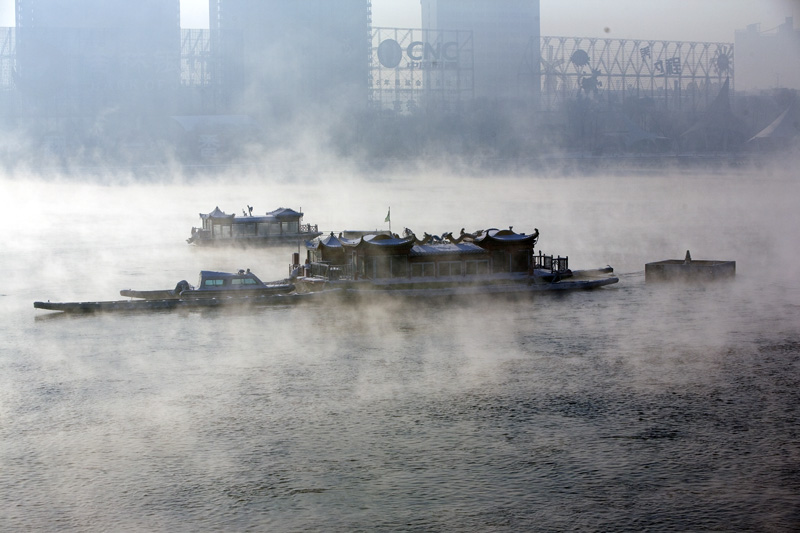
(266, 229)
(450, 268)
(500, 261)
(399, 266)
(477, 267)
(362, 269)
(422, 270)
(243, 281)
(222, 231)
(519, 261)
(382, 267)
(214, 282)
(244, 230)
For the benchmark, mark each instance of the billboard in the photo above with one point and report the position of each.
(414, 69)
(674, 73)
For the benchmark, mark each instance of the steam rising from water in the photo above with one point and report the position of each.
(632, 407)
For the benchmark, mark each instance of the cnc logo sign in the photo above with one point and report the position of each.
(418, 55)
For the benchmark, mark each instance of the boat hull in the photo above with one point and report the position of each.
(168, 304)
(208, 293)
(431, 287)
(316, 289)
(272, 240)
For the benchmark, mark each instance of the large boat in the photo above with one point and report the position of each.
(485, 262)
(489, 261)
(215, 289)
(282, 226)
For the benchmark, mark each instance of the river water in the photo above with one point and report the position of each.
(635, 407)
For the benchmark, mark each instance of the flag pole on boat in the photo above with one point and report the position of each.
(389, 219)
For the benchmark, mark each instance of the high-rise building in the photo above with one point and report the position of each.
(505, 42)
(84, 57)
(280, 58)
(767, 60)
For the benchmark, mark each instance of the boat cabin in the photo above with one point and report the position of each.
(279, 225)
(385, 256)
(244, 279)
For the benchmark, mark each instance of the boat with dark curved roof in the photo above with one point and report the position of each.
(492, 261)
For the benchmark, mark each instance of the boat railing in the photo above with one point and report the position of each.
(331, 272)
(551, 263)
(308, 228)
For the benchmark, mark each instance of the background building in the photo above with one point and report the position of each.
(280, 58)
(768, 60)
(84, 57)
(505, 37)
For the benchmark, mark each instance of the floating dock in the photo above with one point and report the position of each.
(689, 270)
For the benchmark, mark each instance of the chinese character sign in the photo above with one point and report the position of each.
(674, 66)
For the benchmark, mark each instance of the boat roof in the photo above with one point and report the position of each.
(284, 212)
(447, 249)
(330, 241)
(216, 213)
(490, 237)
(506, 236)
(278, 214)
(211, 274)
(265, 218)
(382, 241)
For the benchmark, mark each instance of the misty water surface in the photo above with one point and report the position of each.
(635, 407)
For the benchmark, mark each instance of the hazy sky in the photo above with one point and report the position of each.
(683, 20)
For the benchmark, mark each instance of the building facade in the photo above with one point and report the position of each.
(505, 37)
(278, 58)
(768, 60)
(89, 57)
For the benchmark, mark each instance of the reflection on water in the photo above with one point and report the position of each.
(634, 407)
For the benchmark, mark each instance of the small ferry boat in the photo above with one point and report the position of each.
(214, 289)
(489, 261)
(282, 226)
(216, 285)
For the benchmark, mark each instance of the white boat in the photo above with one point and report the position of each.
(281, 226)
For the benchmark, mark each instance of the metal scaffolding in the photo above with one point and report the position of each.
(7, 56)
(197, 59)
(672, 73)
